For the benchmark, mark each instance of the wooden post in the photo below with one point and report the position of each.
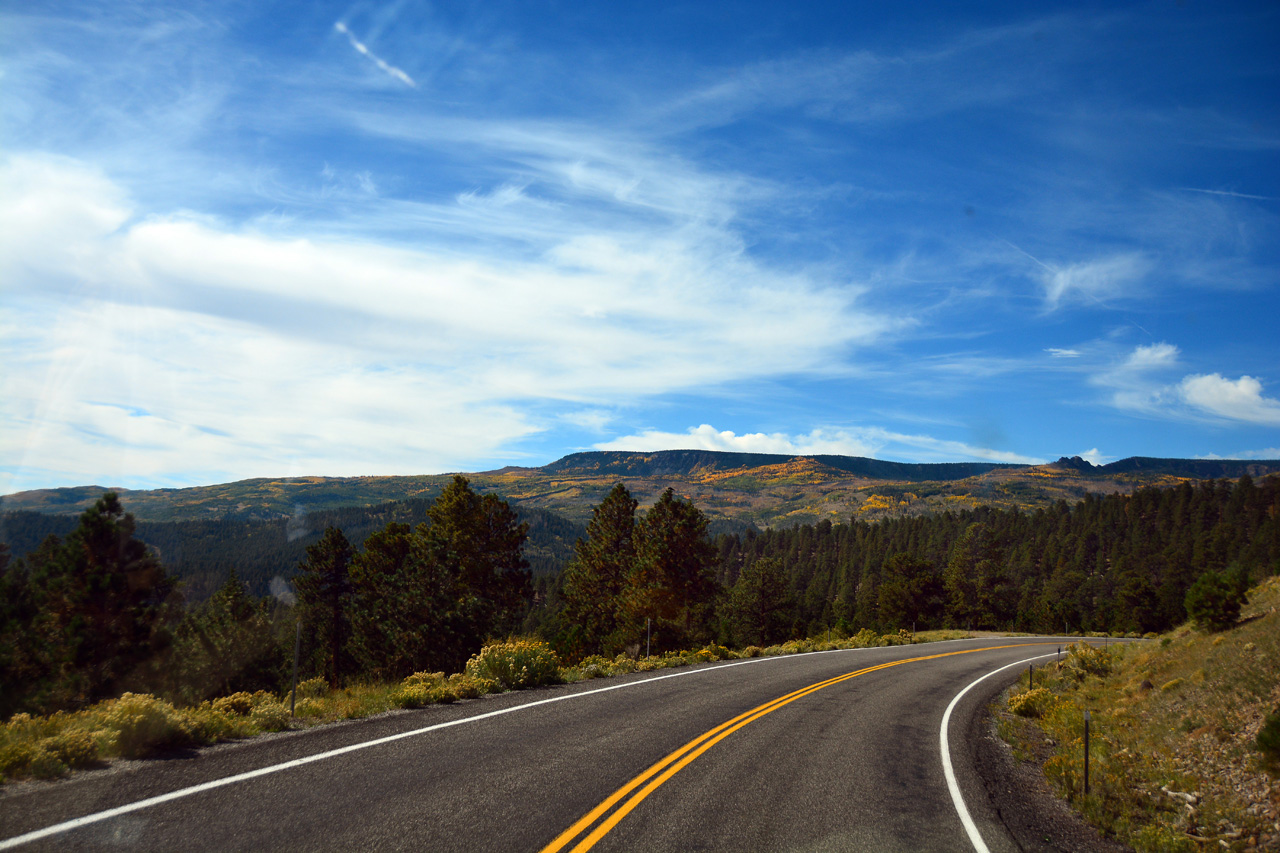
(1086, 753)
(297, 642)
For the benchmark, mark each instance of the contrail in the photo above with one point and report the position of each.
(1029, 255)
(1229, 193)
(379, 61)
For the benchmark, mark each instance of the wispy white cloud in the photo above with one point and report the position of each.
(1093, 281)
(1131, 382)
(225, 336)
(1056, 352)
(1268, 453)
(1137, 384)
(362, 48)
(859, 441)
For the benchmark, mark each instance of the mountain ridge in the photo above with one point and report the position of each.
(741, 488)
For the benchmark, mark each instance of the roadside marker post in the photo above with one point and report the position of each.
(1086, 752)
(297, 641)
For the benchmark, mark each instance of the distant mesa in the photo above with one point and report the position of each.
(670, 463)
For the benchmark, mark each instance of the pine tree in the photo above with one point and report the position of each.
(324, 598)
(673, 581)
(596, 578)
(97, 605)
(759, 604)
(486, 540)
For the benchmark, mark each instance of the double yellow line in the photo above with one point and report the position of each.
(659, 773)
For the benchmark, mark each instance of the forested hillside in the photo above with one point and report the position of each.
(201, 553)
(1115, 562)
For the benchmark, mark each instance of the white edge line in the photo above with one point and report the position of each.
(969, 826)
(76, 823)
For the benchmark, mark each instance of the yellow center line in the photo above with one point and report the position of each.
(682, 757)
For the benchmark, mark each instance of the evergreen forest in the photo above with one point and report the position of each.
(420, 586)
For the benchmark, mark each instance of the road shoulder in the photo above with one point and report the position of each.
(1020, 796)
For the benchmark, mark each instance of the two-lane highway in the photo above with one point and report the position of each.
(827, 751)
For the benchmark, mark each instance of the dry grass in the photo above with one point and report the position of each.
(1174, 761)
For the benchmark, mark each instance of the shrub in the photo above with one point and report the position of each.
(623, 664)
(516, 664)
(145, 724)
(270, 716)
(73, 748)
(751, 652)
(866, 639)
(237, 703)
(23, 758)
(718, 652)
(313, 688)
(1032, 703)
(469, 686)
(1268, 740)
(1084, 660)
(595, 666)
(421, 688)
(1213, 602)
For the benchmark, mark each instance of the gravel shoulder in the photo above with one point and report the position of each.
(1038, 820)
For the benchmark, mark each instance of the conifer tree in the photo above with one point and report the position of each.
(486, 539)
(597, 577)
(759, 603)
(324, 599)
(672, 581)
(95, 607)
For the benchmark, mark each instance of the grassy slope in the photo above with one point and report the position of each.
(1174, 765)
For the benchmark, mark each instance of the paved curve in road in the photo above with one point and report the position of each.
(853, 764)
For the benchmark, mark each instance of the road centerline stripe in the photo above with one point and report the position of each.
(627, 795)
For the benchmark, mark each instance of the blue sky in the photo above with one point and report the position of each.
(283, 239)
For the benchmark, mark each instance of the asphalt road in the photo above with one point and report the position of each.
(853, 765)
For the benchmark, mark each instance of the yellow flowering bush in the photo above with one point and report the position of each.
(1084, 659)
(144, 724)
(1032, 703)
(516, 664)
(237, 703)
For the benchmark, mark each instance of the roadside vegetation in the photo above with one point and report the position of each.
(1184, 747)
(141, 725)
